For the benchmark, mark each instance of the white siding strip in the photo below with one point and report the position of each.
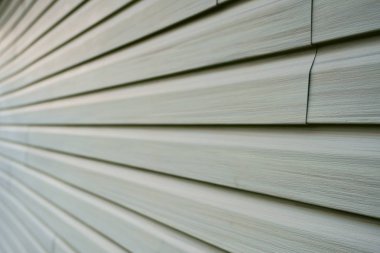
(314, 165)
(337, 19)
(61, 247)
(5, 18)
(27, 20)
(36, 228)
(345, 84)
(37, 9)
(10, 27)
(268, 91)
(23, 236)
(130, 230)
(125, 27)
(251, 222)
(4, 243)
(251, 28)
(51, 17)
(11, 238)
(80, 236)
(83, 18)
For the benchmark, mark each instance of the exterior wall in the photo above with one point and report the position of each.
(189, 126)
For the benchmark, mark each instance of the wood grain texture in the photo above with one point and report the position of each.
(257, 27)
(268, 91)
(135, 232)
(345, 84)
(251, 222)
(54, 15)
(314, 165)
(123, 28)
(80, 236)
(82, 19)
(338, 19)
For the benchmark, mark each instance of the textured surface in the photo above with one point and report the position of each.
(50, 18)
(255, 159)
(104, 37)
(196, 208)
(69, 28)
(337, 19)
(195, 126)
(258, 27)
(264, 92)
(345, 85)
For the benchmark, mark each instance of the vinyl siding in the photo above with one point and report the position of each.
(189, 126)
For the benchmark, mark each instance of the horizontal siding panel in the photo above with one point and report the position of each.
(213, 213)
(80, 236)
(258, 27)
(337, 19)
(85, 17)
(125, 27)
(189, 126)
(130, 230)
(23, 236)
(8, 8)
(37, 229)
(11, 238)
(37, 9)
(4, 244)
(54, 15)
(345, 83)
(11, 16)
(9, 29)
(61, 247)
(268, 91)
(314, 165)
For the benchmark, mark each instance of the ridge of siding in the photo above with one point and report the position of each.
(84, 17)
(197, 209)
(345, 83)
(269, 91)
(11, 25)
(338, 19)
(42, 234)
(34, 13)
(257, 26)
(121, 225)
(53, 16)
(10, 237)
(106, 36)
(179, 126)
(79, 235)
(291, 163)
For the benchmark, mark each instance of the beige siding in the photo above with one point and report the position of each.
(189, 126)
